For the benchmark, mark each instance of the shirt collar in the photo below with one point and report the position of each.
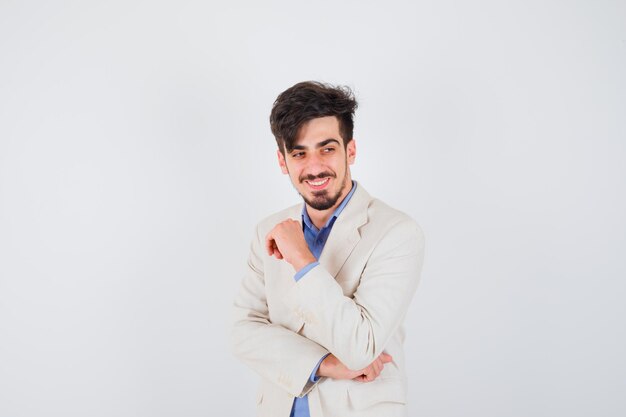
(307, 220)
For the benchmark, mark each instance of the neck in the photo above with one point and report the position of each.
(319, 218)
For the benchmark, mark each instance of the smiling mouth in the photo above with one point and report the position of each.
(318, 184)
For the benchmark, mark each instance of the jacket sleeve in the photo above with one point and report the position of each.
(274, 352)
(356, 330)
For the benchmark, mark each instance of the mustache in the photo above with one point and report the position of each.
(311, 177)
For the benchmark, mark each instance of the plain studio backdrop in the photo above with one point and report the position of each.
(136, 158)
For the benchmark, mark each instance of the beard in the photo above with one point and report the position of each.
(322, 200)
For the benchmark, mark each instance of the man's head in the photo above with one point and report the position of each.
(313, 124)
(306, 101)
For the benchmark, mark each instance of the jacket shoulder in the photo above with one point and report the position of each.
(388, 219)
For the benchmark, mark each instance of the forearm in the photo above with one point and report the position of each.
(277, 354)
(356, 330)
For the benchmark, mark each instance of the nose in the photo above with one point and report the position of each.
(314, 164)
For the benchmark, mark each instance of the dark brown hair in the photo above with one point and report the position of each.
(309, 100)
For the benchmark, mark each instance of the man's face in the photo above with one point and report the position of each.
(318, 164)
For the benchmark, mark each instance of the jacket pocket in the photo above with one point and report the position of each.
(366, 394)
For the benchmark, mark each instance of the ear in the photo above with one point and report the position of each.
(282, 162)
(351, 151)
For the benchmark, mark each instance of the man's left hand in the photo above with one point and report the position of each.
(286, 241)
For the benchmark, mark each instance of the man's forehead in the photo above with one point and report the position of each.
(318, 130)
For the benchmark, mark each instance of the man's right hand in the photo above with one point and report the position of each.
(331, 367)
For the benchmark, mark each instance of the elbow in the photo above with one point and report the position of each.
(237, 339)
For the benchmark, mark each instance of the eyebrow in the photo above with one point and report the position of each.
(319, 145)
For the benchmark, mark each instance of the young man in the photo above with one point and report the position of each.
(320, 310)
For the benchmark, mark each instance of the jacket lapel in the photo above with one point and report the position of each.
(345, 233)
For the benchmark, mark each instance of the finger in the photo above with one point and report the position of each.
(378, 367)
(270, 244)
(381, 363)
(369, 374)
(359, 375)
(382, 366)
(363, 377)
(385, 357)
(277, 252)
(375, 372)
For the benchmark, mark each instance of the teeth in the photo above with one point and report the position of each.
(318, 183)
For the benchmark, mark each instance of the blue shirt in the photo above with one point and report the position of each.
(315, 239)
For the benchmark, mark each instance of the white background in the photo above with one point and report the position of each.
(136, 157)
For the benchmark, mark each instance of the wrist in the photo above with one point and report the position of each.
(303, 261)
(326, 365)
(322, 368)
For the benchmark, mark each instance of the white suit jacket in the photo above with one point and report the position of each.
(352, 305)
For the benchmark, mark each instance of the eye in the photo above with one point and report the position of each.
(297, 155)
(328, 149)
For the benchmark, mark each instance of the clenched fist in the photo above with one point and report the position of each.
(286, 241)
(332, 367)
